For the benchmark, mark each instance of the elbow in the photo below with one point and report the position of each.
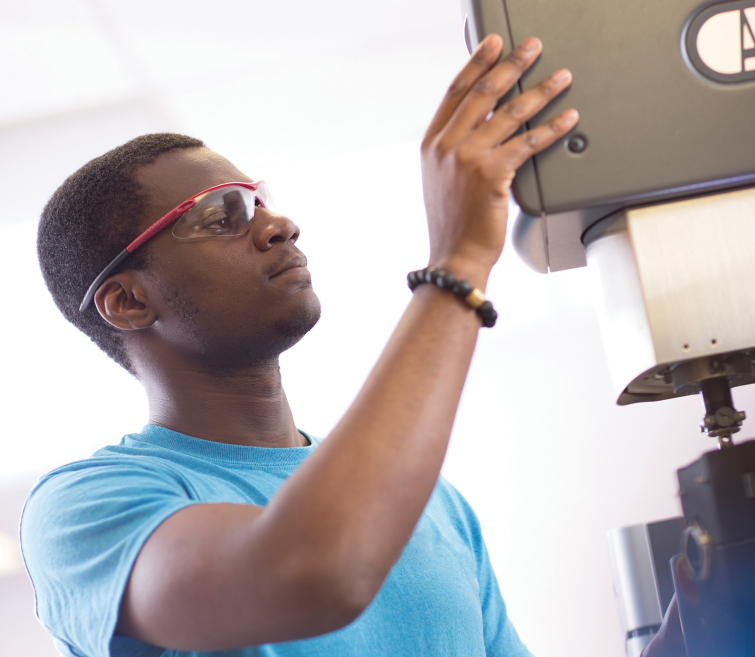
(354, 592)
(336, 595)
(341, 613)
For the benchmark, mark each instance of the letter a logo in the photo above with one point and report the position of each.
(720, 42)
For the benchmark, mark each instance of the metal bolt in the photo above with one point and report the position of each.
(576, 144)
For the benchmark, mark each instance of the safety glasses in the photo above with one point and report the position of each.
(225, 210)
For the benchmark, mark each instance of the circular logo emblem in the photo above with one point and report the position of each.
(720, 42)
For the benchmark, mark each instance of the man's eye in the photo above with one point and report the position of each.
(217, 223)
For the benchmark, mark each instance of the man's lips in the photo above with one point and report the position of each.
(296, 261)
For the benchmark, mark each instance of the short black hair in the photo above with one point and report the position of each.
(90, 218)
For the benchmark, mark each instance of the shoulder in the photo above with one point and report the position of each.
(106, 489)
(133, 463)
(81, 529)
(105, 470)
(450, 496)
(449, 507)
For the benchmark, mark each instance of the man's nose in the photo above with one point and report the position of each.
(270, 227)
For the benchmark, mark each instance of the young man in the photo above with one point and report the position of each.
(221, 527)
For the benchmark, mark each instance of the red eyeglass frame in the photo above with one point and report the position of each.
(163, 222)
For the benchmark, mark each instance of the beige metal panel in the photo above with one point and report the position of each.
(674, 283)
(696, 264)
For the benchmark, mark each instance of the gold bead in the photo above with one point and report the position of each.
(475, 298)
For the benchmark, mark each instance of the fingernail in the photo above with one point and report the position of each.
(531, 44)
(570, 116)
(564, 75)
(491, 41)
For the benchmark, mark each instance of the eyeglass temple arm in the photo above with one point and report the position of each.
(161, 223)
(100, 279)
(155, 228)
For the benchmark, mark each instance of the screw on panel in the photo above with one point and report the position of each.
(576, 144)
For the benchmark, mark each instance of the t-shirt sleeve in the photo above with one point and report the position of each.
(81, 531)
(501, 639)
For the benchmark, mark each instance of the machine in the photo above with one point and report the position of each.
(642, 580)
(654, 191)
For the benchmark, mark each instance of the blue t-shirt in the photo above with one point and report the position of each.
(84, 524)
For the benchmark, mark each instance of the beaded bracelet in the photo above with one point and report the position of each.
(445, 280)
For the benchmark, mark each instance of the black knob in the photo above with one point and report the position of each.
(576, 144)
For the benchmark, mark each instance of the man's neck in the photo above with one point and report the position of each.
(247, 407)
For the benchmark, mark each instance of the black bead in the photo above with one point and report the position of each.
(462, 289)
(447, 281)
(488, 314)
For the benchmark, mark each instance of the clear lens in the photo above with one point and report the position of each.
(224, 212)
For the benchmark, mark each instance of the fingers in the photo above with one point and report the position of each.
(482, 60)
(517, 150)
(509, 117)
(485, 93)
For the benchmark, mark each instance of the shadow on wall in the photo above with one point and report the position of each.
(21, 634)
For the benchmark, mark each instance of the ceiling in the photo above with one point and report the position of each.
(261, 82)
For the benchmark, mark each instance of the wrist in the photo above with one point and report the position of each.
(473, 297)
(465, 269)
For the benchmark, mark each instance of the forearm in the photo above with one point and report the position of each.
(369, 482)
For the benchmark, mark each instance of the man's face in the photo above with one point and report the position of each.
(223, 302)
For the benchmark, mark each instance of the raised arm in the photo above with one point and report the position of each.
(223, 576)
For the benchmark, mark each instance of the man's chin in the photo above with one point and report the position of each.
(291, 330)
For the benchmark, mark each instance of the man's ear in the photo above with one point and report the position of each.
(122, 302)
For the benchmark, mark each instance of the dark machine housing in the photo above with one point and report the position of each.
(655, 123)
